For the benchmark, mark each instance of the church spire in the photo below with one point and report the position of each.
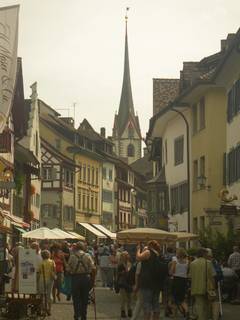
(126, 101)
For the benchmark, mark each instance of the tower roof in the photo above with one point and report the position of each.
(126, 102)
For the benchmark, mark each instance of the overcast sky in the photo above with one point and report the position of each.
(74, 49)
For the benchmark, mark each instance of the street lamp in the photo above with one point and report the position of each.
(201, 181)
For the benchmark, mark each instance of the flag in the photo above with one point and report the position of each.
(8, 59)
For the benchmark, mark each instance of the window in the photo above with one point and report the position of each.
(232, 166)
(47, 173)
(166, 152)
(195, 175)
(37, 200)
(233, 107)
(49, 211)
(110, 174)
(130, 150)
(195, 118)
(202, 114)
(104, 173)
(130, 132)
(202, 222)
(68, 213)
(88, 175)
(79, 200)
(161, 196)
(92, 205)
(93, 176)
(88, 201)
(80, 173)
(96, 203)
(84, 173)
(84, 201)
(97, 177)
(179, 198)
(107, 196)
(202, 166)
(178, 150)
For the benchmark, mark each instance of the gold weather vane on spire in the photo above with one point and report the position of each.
(126, 16)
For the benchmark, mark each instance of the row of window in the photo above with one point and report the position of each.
(124, 195)
(158, 201)
(52, 211)
(233, 105)
(50, 174)
(232, 166)
(179, 198)
(87, 201)
(125, 217)
(88, 174)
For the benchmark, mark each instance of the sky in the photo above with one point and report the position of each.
(74, 49)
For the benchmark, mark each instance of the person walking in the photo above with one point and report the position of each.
(202, 282)
(125, 280)
(59, 259)
(234, 264)
(179, 271)
(82, 269)
(46, 275)
(151, 279)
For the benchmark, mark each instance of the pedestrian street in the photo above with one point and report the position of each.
(108, 308)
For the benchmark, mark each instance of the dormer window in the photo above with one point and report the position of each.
(130, 150)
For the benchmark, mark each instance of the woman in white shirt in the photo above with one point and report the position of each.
(179, 271)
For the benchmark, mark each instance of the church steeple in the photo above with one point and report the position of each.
(126, 102)
(126, 128)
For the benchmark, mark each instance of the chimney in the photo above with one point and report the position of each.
(225, 43)
(103, 132)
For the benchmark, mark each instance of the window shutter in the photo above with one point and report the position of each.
(237, 96)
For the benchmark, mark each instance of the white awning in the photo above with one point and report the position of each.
(104, 230)
(93, 230)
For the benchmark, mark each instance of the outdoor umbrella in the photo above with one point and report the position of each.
(64, 234)
(144, 235)
(185, 236)
(42, 233)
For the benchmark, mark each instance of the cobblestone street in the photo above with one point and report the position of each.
(108, 308)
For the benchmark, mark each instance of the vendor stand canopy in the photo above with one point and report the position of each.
(104, 230)
(185, 236)
(144, 235)
(64, 234)
(42, 233)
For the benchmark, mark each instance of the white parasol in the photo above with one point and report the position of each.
(64, 234)
(42, 233)
(144, 235)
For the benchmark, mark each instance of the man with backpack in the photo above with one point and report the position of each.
(151, 279)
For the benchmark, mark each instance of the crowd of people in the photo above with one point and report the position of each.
(142, 276)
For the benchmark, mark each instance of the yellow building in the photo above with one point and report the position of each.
(208, 144)
(88, 185)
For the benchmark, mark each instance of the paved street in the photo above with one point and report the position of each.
(108, 308)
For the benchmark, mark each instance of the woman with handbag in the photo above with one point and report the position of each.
(46, 277)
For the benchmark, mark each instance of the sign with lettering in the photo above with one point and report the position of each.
(8, 59)
(27, 271)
